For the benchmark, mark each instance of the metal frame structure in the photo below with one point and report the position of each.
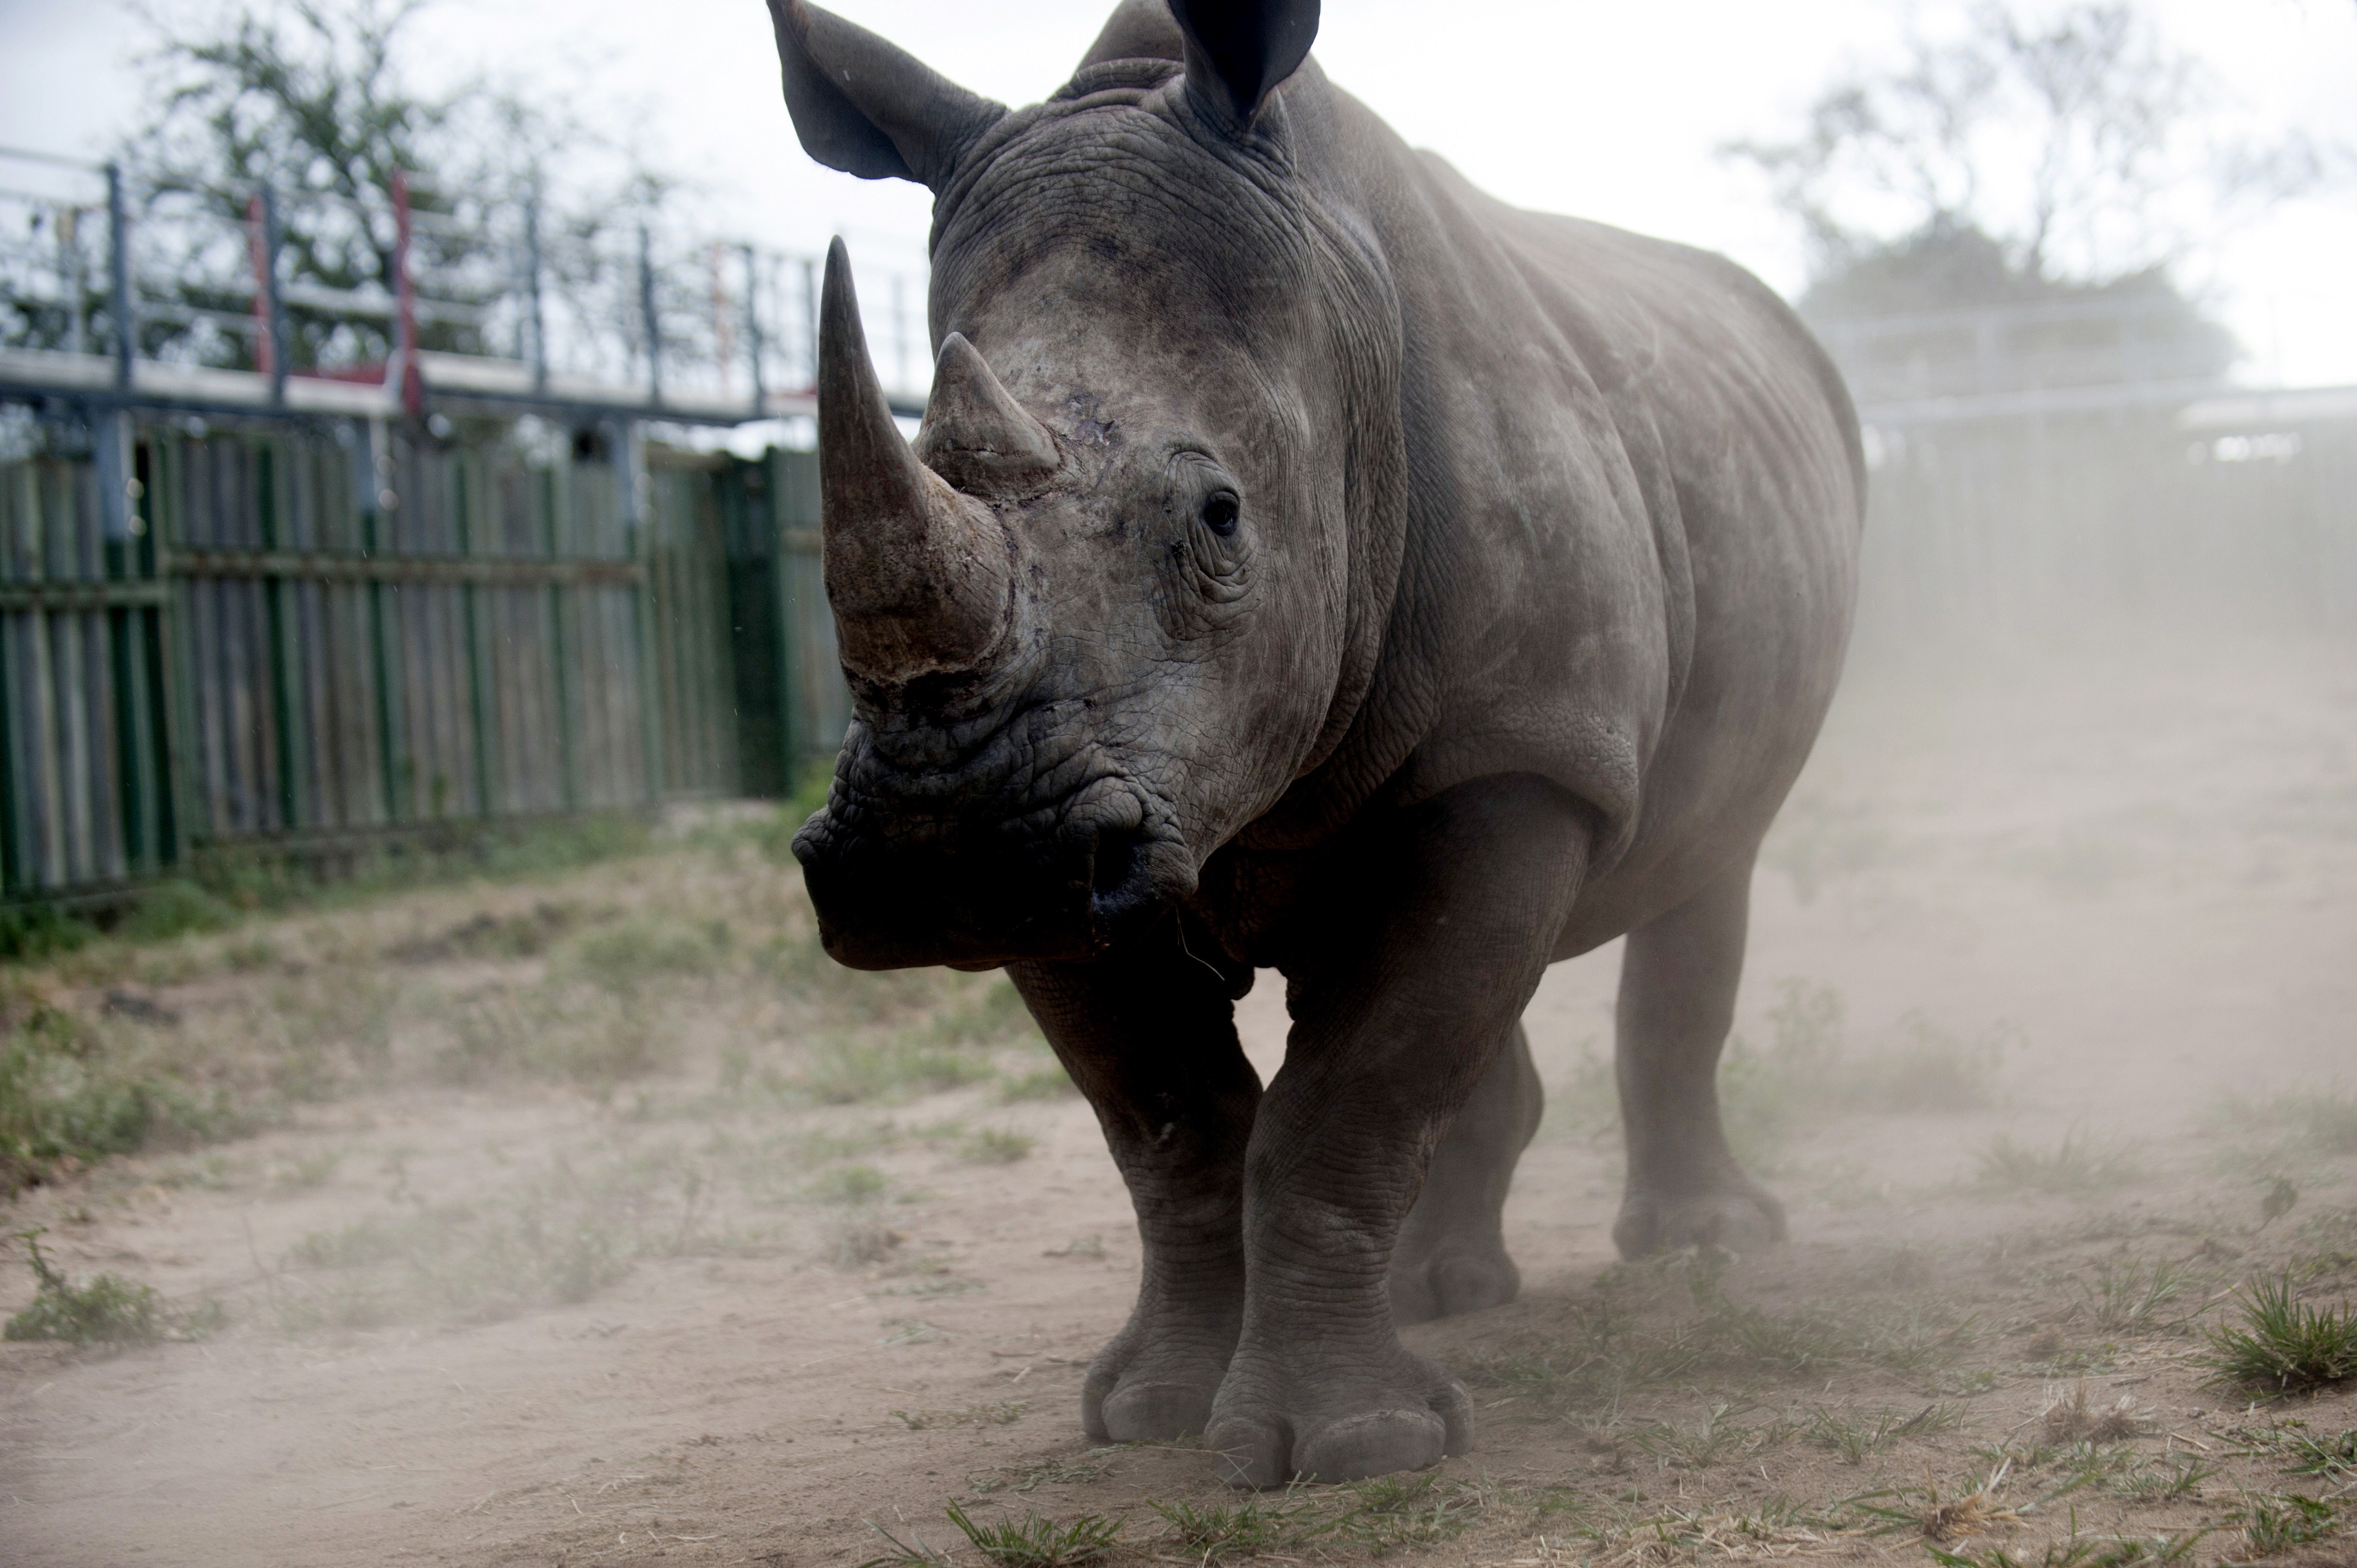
(260, 611)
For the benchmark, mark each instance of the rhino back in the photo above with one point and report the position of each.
(1633, 525)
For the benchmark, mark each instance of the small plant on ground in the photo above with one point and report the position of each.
(1406, 1510)
(2284, 1343)
(999, 1413)
(2072, 1418)
(2079, 1165)
(1855, 1440)
(1049, 1082)
(100, 1310)
(995, 1147)
(2126, 1295)
(1215, 1532)
(2278, 1521)
(1036, 1541)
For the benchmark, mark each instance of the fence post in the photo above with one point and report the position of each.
(118, 260)
(278, 628)
(531, 292)
(753, 332)
(372, 481)
(405, 293)
(274, 322)
(77, 276)
(630, 478)
(647, 321)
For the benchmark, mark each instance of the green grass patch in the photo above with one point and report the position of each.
(997, 1412)
(1036, 1541)
(628, 956)
(2283, 1343)
(1049, 1082)
(855, 1070)
(995, 1147)
(1857, 1438)
(103, 1309)
(177, 908)
(32, 932)
(67, 1101)
(2275, 1522)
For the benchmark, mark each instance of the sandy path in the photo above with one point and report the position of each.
(2152, 872)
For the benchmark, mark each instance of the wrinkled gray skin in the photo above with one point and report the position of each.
(1312, 564)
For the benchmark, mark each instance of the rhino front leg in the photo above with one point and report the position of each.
(1413, 987)
(1451, 1255)
(1678, 976)
(1149, 1036)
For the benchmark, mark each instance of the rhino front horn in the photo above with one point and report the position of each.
(919, 576)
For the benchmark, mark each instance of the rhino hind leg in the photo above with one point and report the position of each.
(1678, 978)
(1451, 1255)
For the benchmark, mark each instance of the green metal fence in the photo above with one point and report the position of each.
(312, 634)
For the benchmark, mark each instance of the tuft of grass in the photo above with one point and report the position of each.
(31, 932)
(1808, 1073)
(2070, 1418)
(177, 908)
(849, 1184)
(2126, 1295)
(1406, 1510)
(2077, 1166)
(1716, 1436)
(860, 1241)
(1857, 1440)
(2310, 1120)
(629, 956)
(2284, 1343)
(995, 1147)
(1036, 1541)
(451, 1263)
(2174, 1479)
(66, 1101)
(2275, 1522)
(1047, 1472)
(856, 1071)
(1215, 1532)
(998, 1412)
(1049, 1082)
(100, 1310)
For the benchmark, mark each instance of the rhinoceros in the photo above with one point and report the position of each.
(1306, 562)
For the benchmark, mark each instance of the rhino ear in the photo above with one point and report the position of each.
(869, 108)
(1238, 51)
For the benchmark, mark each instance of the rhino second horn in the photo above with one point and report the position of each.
(975, 435)
(919, 576)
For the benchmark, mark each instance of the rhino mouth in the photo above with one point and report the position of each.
(895, 888)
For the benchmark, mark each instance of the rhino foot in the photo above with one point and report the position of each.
(1271, 1428)
(1456, 1281)
(1133, 1397)
(1741, 1217)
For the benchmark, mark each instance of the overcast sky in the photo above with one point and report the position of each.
(1608, 110)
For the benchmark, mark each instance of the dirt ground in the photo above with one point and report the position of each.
(597, 1222)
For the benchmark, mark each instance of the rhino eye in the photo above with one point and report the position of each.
(1219, 514)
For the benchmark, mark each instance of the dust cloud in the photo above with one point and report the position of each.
(593, 1218)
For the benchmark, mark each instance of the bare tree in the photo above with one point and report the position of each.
(314, 100)
(2079, 144)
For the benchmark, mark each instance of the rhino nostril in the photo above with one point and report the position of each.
(1116, 861)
